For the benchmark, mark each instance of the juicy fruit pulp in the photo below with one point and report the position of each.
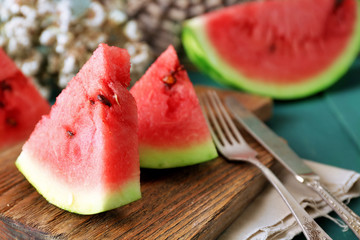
(283, 49)
(21, 105)
(172, 129)
(83, 156)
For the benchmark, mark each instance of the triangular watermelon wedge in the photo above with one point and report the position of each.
(172, 129)
(21, 105)
(282, 49)
(83, 156)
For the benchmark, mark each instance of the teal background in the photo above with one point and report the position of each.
(324, 128)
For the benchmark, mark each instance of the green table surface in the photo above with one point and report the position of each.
(324, 128)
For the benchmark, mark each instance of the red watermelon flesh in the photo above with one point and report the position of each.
(172, 128)
(283, 49)
(21, 105)
(87, 147)
(317, 35)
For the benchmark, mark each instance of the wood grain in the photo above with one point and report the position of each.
(195, 202)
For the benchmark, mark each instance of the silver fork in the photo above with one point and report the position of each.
(232, 146)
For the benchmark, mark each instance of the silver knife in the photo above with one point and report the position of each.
(282, 152)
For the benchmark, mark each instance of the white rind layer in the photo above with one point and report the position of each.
(82, 201)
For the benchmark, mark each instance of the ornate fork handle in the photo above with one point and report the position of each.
(233, 146)
(349, 217)
(311, 229)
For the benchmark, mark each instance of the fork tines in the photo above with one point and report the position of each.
(221, 125)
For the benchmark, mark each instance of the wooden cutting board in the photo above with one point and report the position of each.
(195, 202)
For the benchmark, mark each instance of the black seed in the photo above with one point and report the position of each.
(11, 122)
(337, 4)
(92, 102)
(70, 133)
(104, 100)
(272, 48)
(5, 86)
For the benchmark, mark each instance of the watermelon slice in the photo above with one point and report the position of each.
(172, 129)
(83, 156)
(282, 49)
(21, 105)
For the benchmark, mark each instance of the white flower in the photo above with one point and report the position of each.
(132, 31)
(48, 36)
(97, 15)
(117, 16)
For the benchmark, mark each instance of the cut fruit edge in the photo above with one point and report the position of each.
(199, 50)
(157, 157)
(85, 201)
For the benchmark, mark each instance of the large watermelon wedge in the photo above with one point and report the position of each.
(83, 156)
(283, 49)
(21, 105)
(172, 129)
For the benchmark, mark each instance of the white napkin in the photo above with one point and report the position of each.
(268, 217)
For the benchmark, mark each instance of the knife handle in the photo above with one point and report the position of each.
(346, 214)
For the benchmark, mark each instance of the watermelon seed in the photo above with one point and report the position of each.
(171, 79)
(92, 102)
(272, 48)
(337, 4)
(11, 122)
(70, 133)
(5, 86)
(104, 100)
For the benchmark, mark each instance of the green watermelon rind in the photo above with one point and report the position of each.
(161, 158)
(201, 52)
(85, 201)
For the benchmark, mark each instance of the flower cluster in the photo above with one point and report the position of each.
(50, 40)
